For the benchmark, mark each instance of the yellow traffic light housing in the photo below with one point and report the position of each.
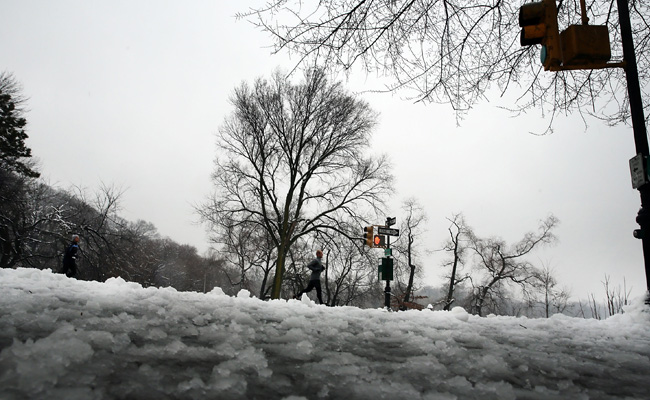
(531, 21)
(538, 22)
(578, 47)
(368, 236)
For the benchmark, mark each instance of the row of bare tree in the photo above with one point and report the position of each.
(293, 175)
(497, 269)
(484, 275)
(37, 221)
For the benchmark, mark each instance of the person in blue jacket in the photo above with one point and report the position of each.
(70, 258)
(316, 266)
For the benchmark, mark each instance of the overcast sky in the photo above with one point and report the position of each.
(132, 93)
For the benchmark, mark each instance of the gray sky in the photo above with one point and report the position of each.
(131, 93)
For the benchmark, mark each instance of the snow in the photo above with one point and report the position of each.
(61, 338)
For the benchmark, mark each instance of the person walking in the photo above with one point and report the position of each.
(316, 266)
(70, 258)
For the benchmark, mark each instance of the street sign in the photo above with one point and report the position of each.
(390, 221)
(638, 172)
(388, 231)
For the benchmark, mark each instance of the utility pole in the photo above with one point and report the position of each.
(640, 135)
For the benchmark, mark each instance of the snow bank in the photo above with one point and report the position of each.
(66, 339)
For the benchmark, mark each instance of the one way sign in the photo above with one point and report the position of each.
(388, 231)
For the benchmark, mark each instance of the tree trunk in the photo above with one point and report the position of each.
(481, 298)
(279, 272)
(452, 280)
(265, 279)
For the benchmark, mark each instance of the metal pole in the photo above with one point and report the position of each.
(387, 288)
(583, 9)
(638, 126)
(387, 295)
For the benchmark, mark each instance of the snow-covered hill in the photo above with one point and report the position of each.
(66, 339)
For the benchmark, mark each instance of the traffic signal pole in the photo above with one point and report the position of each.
(387, 288)
(638, 126)
(382, 240)
(587, 47)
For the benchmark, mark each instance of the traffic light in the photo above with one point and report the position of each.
(379, 241)
(531, 21)
(368, 236)
(538, 22)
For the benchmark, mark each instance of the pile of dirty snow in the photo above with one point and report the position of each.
(66, 339)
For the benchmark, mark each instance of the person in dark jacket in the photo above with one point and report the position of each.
(70, 258)
(316, 267)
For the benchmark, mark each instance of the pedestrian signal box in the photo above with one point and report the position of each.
(379, 241)
(585, 44)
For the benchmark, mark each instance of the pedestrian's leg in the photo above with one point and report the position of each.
(73, 270)
(309, 287)
(319, 292)
(306, 290)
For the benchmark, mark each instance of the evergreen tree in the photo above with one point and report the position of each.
(12, 129)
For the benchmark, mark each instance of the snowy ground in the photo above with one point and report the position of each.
(66, 339)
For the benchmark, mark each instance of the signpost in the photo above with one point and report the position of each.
(381, 239)
(386, 267)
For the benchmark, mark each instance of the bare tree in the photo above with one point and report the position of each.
(555, 300)
(411, 229)
(500, 264)
(455, 51)
(594, 307)
(292, 162)
(616, 297)
(97, 221)
(246, 250)
(27, 221)
(457, 247)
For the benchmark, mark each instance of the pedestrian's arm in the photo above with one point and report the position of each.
(313, 265)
